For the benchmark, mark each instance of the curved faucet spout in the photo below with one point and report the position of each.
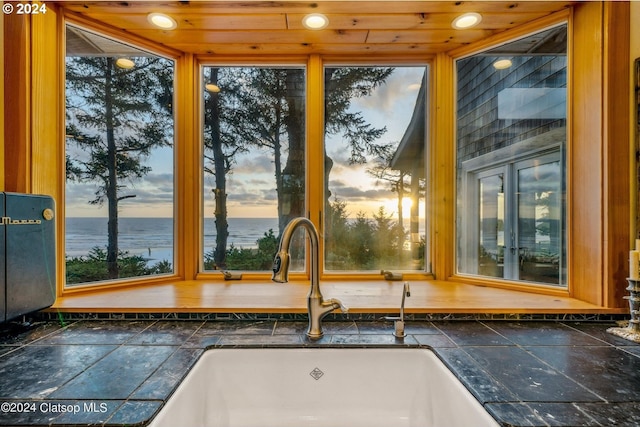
(281, 261)
(317, 307)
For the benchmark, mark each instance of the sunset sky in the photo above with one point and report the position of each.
(251, 185)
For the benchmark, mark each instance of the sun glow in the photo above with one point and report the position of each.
(391, 206)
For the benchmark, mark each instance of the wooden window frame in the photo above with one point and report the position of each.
(314, 67)
(598, 197)
(512, 154)
(179, 175)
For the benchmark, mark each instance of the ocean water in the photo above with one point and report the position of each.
(153, 239)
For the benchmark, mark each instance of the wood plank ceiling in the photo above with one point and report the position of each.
(275, 27)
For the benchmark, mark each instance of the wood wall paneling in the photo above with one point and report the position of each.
(46, 120)
(2, 167)
(600, 205)
(46, 104)
(618, 212)
(17, 147)
(585, 177)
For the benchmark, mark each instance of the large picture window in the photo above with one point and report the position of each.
(374, 166)
(119, 160)
(256, 157)
(254, 164)
(511, 139)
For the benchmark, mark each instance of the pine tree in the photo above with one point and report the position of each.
(265, 108)
(115, 118)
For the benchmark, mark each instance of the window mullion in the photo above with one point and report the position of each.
(315, 148)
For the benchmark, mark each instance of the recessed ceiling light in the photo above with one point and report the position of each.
(161, 20)
(466, 20)
(502, 64)
(125, 63)
(212, 87)
(315, 21)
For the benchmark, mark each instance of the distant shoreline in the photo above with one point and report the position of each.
(139, 235)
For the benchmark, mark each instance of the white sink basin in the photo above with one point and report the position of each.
(321, 387)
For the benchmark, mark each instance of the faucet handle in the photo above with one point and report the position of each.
(338, 304)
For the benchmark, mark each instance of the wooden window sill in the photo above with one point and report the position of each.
(365, 296)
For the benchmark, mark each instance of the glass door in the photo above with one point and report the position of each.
(539, 227)
(514, 229)
(491, 223)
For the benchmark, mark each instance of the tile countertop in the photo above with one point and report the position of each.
(113, 372)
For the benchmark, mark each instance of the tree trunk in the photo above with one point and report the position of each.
(292, 203)
(277, 160)
(399, 229)
(220, 192)
(328, 161)
(112, 180)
